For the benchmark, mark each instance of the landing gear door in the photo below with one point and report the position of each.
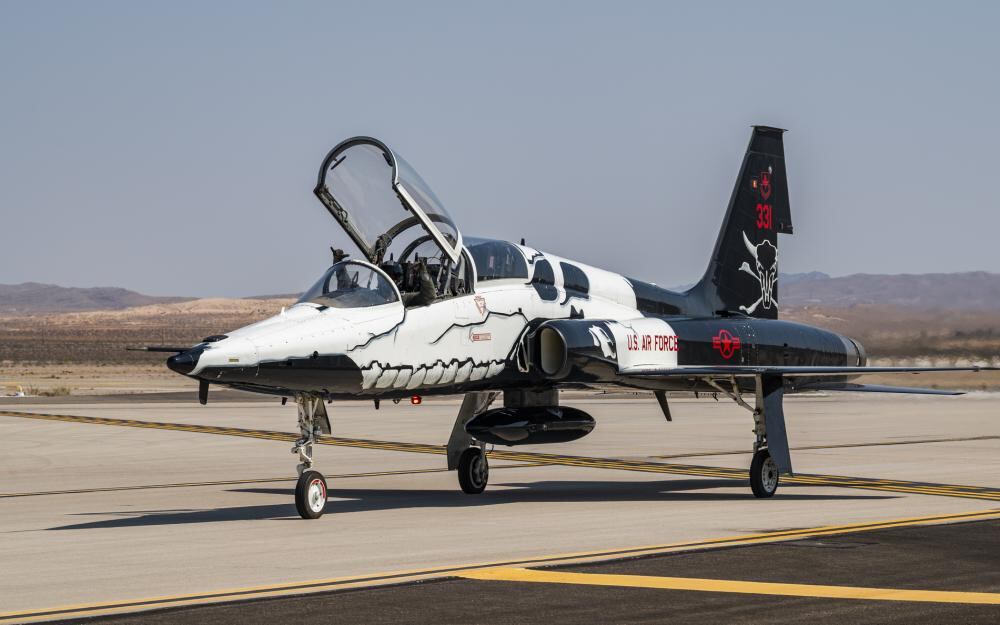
(382, 203)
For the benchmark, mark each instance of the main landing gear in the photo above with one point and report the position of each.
(310, 490)
(763, 474)
(473, 470)
(465, 454)
(771, 456)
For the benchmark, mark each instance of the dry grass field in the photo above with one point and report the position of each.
(84, 352)
(903, 333)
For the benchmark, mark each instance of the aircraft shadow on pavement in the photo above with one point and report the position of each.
(349, 500)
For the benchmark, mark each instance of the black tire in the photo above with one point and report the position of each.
(310, 495)
(473, 471)
(763, 475)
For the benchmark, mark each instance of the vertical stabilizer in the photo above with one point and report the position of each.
(742, 276)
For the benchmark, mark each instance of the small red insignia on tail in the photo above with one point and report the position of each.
(765, 185)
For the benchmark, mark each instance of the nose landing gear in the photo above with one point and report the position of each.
(310, 495)
(310, 490)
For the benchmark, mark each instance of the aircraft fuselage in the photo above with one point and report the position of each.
(495, 338)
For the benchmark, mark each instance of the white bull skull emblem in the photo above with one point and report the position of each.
(765, 256)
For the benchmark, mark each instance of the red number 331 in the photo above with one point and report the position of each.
(764, 216)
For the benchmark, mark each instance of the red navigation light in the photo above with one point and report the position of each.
(416, 400)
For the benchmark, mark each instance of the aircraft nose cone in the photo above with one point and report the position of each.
(184, 362)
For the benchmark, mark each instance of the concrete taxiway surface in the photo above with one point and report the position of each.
(121, 502)
(681, 587)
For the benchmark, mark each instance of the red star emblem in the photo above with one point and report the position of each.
(725, 343)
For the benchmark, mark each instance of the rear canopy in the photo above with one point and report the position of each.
(383, 204)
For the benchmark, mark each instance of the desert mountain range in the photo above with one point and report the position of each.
(33, 297)
(970, 291)
(937, 316)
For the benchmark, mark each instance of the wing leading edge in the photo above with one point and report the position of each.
(809, 372)
(755, 370)
(874, 388)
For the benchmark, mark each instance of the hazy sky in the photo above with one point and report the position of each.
(172, 147)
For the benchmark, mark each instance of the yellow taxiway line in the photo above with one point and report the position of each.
(262, 480)
(485, 568)
(909, 441)
(541, 459)
(506, 574)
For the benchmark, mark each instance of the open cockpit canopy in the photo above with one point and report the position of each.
(384, 206)
(395, 219)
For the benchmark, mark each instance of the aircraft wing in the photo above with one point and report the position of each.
(874, 388)
(810, 372)
(755, 370)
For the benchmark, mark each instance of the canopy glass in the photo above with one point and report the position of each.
(383, 204)
(350, 284)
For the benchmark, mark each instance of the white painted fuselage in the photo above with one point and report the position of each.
(472, 338)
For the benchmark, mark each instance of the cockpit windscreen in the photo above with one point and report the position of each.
(351, 285)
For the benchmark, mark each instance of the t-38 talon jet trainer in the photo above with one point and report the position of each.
(428, 311)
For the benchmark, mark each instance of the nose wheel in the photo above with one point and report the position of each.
(763, 474)
(473, 471)
(310, 495)
(310, 490)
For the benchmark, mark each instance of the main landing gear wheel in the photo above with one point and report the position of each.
(473, 471)
(763, 474)
(310, 495)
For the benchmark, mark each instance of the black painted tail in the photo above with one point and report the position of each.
(742, 277)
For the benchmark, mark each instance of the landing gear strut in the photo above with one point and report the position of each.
(310, 490)
(763, 470)
(771, 457)
(464, 453)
